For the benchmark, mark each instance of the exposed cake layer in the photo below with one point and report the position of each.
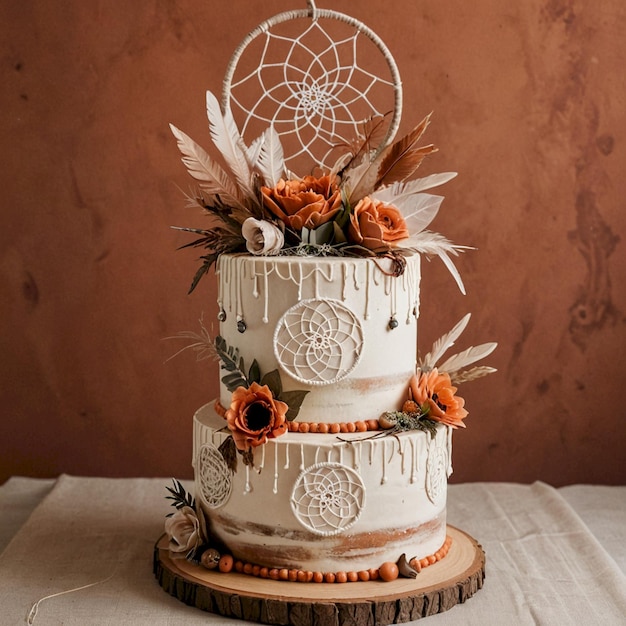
(324, 503)
(345, 329)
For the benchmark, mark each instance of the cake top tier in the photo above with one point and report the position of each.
(311, 89)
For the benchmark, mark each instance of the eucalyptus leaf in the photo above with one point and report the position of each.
(272, 380)
(294, 400)
(254, 375)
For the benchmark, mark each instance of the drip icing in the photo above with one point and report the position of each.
(301, 456)
(286, 456)
(248, 486)
(275, 487)
(413, 461)
(239, 275)
(383, 479)
(449, 450)
(366, 313)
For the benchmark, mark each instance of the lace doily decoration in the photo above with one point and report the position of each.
(213, 476)
(316, 76)
(318, 342)
(436, 472)
(328, 498)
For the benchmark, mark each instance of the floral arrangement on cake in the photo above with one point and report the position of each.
(368, 204)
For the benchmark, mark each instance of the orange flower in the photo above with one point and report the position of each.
(436, 391)
(309, 202)
(255, 416)
(376, 225)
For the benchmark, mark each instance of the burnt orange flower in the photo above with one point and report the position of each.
(308, 203)
(255, 416)
(435, 390)
(376, 225)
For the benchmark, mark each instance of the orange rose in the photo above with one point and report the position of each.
(308, 203)
(375, 225)
(436, 391)
(255, 416)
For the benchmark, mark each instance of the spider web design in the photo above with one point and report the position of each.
(316, 94)
(328, 498)
(214, 476)
(318, 342)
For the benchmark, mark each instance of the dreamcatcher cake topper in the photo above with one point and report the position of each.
(310, 93)
(312, 84)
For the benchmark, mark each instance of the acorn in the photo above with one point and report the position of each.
(387, 421)
(210, 558)
(405, 569)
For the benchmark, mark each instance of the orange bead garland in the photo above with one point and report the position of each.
(387, 572)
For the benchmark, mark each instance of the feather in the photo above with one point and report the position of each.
(228, 141)
(200, 166)
(271, 159)
(471, 374)
(428, 242)
(467, 357)
(400, 190)
(402, 158)
(394, 163)
(418, 209)
(254, 149)
(444, 343)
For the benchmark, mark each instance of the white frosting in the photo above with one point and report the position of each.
(324, 323)
(328, 503)
(345, 330)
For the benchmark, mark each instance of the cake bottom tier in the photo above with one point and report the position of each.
(324, 502)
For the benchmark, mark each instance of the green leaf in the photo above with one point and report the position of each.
(294, 400)
(235, 379)
(272, 380)
(254, 375)
(227, 354)
(180, 496)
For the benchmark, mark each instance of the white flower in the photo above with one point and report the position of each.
(184, 531)
(262, 237)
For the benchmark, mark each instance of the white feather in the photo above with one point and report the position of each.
(200, 166)
(428, 182)
(228, 141)
(418, 209)
(445, 343)
(253, 150)
(428, 242)
(271, 159)
(467, 357)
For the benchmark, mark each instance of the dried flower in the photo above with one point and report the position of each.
(309, 202)
(262, 237)
(184, 531)
(255, 416)
(434, 391)
(376, 225)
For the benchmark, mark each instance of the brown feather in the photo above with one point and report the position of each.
(402, 158)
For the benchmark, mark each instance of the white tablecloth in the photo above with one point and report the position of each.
(554, 557)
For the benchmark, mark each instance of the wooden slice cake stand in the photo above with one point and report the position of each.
(374, 603)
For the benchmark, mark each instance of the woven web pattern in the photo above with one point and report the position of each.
(318, 342)
(317, 81)
(213, 476)
(328, 498)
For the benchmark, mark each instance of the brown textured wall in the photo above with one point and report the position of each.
(529, 102)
